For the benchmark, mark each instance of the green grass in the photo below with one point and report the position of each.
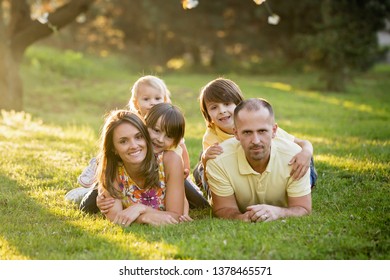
(44, 149)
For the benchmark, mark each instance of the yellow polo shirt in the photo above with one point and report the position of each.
(216, 135)
(230, 173)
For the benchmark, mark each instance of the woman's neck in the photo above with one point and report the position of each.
(134, 173)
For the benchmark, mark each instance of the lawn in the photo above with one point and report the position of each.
(44, 149)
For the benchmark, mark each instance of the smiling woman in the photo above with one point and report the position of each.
(142, 188)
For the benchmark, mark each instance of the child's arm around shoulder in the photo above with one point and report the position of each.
(116, 213)
(136, 213)
(301, 161)
(211, 153)
(306, 146)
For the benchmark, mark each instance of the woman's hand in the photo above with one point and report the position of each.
(127, 216)
(157, 218)
(185, 218)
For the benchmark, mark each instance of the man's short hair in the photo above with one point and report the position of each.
(253, 104)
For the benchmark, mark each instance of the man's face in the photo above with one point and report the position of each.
(255, 130)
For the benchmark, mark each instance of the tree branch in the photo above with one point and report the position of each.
(20, 17)
(58, 19)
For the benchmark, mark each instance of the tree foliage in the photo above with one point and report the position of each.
(338, 37)
(344, 41)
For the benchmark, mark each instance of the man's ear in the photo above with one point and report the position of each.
(274, 129)
(236, 134)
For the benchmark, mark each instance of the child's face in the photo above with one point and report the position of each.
(148, 97)
(161, 142)
(221, 115)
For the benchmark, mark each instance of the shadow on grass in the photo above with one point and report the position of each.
(34, 231)
(349, 221)
(342, 226)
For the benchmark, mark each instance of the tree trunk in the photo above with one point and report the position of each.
(22, 32)
(10, 83)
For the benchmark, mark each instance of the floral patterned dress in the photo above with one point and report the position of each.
(132, 194)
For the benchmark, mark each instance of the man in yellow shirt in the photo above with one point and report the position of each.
(251, 179)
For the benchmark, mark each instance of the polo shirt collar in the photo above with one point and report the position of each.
(272, 157)
(222, 134)
(244, 166)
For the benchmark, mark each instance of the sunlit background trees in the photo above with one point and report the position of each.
(336, 38)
